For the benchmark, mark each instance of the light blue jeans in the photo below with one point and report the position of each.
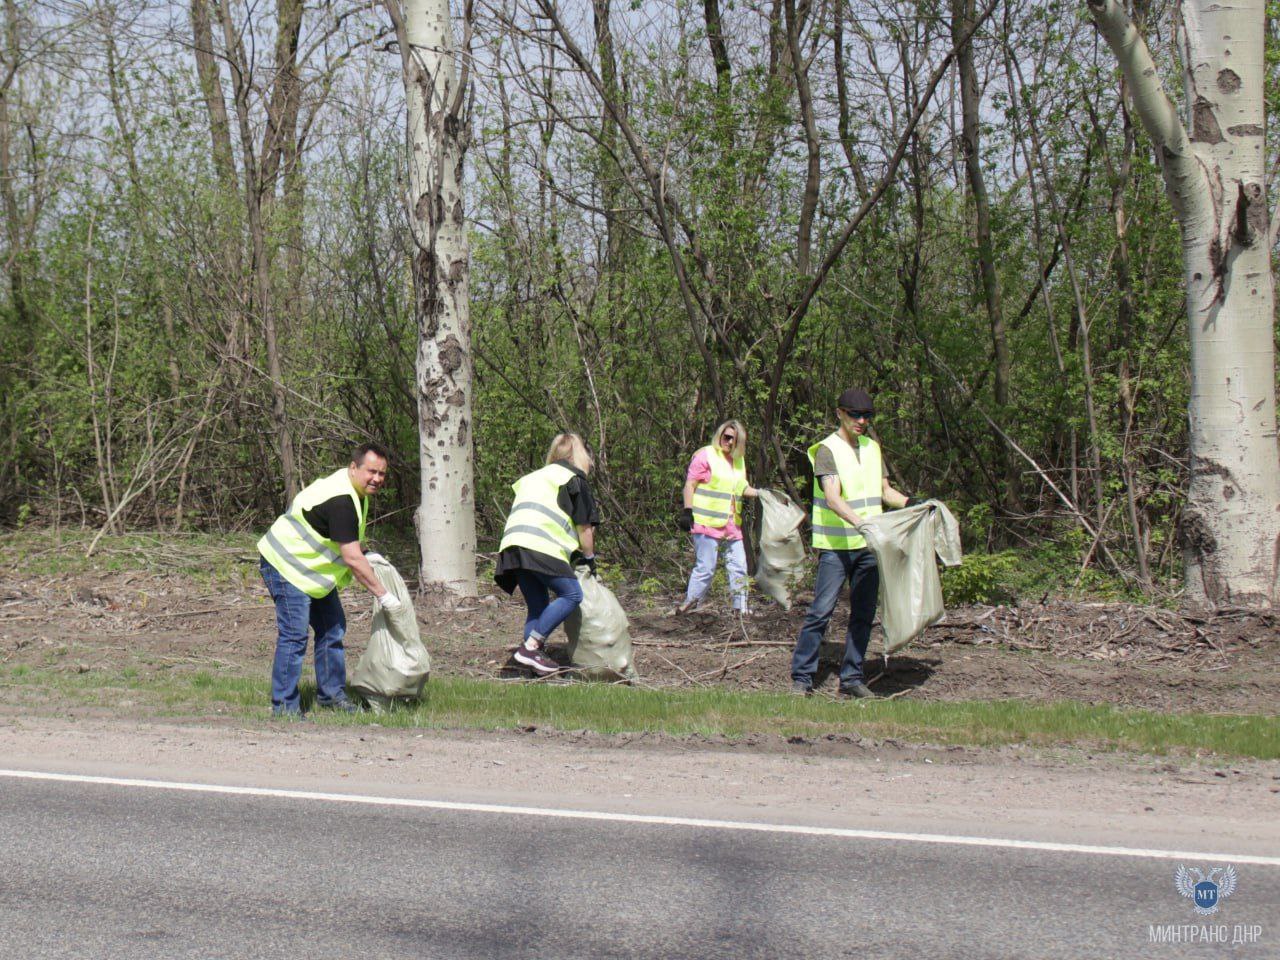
(706, 551)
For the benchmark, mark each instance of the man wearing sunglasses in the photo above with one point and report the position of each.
(850, 485)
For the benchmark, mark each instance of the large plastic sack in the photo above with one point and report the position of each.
(905, 543)
(781, 557)
(395, 666)
(599, 635)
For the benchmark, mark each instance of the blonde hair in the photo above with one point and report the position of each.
(740, 437)
(569, 446)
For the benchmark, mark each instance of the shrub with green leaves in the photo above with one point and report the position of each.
(981, 578)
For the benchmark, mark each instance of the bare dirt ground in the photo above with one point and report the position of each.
(1107, 653)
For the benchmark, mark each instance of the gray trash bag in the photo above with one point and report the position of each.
(395, 665)
(781, 557)
(905, 543)
(599, 635)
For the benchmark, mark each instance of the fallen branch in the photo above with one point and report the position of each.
(691, 645)
(189, 613)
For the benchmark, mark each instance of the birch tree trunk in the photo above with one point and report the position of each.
(445, 519)
(1215, 177)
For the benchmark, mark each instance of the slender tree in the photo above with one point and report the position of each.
(441, 274)
(1214, 171)
(962, 16)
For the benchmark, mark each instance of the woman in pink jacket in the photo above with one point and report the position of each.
(715, 484)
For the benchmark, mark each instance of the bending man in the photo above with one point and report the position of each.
(311, 550)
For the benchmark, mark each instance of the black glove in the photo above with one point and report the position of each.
(591, 563)
(685, 520)
(916, 500)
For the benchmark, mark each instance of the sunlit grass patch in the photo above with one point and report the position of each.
(460, 703)
(457, 703)
(620, 709)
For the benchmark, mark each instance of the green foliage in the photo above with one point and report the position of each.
(1032, 574)
(134, 376)
(980, 578)
(651, 588)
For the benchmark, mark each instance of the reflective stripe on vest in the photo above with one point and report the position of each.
(716, 499)
(536, 521)
(861, 484)
(307, 560)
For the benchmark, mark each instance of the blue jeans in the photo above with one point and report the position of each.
(835, 568)
(295, 614)
(546, 614)
(706, 550)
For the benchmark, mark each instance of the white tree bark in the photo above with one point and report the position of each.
(445, 520)
(1214, 171)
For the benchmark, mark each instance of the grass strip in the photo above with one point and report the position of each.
(464, 703)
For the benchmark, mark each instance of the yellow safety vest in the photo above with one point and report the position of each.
(861, 484)
(536, 520)
(715, 500)
(309, 561)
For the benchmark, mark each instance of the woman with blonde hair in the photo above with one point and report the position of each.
(551, 526)
(714, 486)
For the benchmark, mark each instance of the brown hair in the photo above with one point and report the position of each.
(377, 449)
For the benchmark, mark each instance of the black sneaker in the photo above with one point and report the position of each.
(342, 706)
(535, 659)
(857, 691)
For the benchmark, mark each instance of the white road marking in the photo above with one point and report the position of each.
(600, 815)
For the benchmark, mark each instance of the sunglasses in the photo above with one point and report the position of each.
(858, 414)
(728, 436)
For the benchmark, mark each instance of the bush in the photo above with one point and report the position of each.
(981, 578)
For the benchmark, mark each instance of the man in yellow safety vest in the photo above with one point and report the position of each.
(850, 484)
(311, 550)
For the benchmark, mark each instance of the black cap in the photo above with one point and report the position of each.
(856, 400)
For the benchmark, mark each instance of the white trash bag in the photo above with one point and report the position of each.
(905, 543)
(599, 635)
(781, 557)
(395, 666)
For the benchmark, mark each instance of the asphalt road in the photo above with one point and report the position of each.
(104, 871)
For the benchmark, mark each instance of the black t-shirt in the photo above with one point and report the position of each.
(576, 499)
(335, 519)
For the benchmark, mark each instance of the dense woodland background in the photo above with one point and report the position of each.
(680, 212)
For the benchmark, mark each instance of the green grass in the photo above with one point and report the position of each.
(460, 703)
(209, 559)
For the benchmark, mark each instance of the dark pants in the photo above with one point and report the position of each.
(835, 569)
(545, 614)
(296, 616)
